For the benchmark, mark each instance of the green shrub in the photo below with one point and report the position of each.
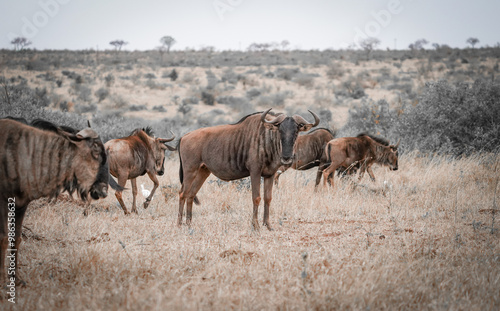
(451, 119)
(207, 98)
(101, 94)
(457, 119)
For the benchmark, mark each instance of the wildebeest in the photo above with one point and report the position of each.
(363, 150)
(255, 146)
(42, 163)
(102, 181)
(134, 156)
(310, 152)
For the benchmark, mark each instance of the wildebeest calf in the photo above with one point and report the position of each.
(134, 156)
(39, 163)
(363, 150)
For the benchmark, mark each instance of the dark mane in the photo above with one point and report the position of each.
(51, 127)
(22, 120)
(148, 130)
(271, 113)
(332, 132)
(379, 140)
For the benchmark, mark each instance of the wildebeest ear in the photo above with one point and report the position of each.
(87, 133)
(395, 147)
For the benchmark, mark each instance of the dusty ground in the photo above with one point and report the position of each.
(424, 239)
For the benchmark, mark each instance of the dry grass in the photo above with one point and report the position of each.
(424, 240)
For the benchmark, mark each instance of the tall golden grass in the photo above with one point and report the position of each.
(425, 239)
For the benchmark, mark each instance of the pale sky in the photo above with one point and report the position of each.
(235, 24)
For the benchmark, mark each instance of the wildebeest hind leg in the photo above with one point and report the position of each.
(268, 196)
(198, 181)
(328, 174)
(133, 182)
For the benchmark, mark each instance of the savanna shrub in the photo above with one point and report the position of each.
(372, 117)
(458, 119)
(101, 94)
(451, 119)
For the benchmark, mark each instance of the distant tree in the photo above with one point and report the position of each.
(167, 42)
(284, 44)
(369, 44)
(472, 41)
(418, 45)
(20, 43)
(436, 46)
(118, 44)
(259, 47)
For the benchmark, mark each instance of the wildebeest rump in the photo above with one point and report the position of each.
(363, 150)
(255, 146)
(134, 156)
(39, 163)
(310, 152)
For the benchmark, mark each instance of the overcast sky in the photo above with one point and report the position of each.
(235, 24)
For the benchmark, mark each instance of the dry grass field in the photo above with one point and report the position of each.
(424, 238)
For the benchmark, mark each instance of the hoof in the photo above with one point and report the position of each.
(268, 227)
(146, 204)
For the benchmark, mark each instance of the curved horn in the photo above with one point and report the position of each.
(88, 122)
(166, 140)
(316, 118)
(274, 121)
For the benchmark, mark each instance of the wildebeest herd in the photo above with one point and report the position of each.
(41, 159)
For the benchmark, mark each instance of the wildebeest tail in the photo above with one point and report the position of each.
(113, 184)
(181, 172)
(328, 152)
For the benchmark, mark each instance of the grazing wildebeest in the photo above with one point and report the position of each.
(255, 146)
(134, 156)
(363, 150)
(102, 181)
(310, 152)
(42, 163)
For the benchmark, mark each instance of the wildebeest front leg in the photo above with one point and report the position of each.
(20, 212)
(268, 196)
(319, 173)
(133, 182)
(152, 176)
(121, 181)
(255, 180)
